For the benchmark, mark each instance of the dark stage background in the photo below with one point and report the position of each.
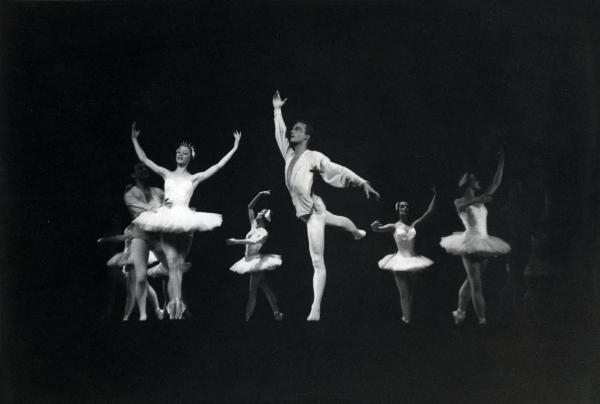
(407, 96)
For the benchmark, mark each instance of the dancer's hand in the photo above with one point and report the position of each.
(237, 135)
(369, 190)
(135, 132)
(500, 155)
(100, 240)
(265, 193)
(433, 189)
(375, 225)
(277, 101)
(230, 241)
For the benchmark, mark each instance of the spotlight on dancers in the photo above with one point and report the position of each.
(254, 263)
(474, 245)
(404, 263)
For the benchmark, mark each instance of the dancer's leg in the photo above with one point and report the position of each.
(315, 229)
(344, 223)
(473, 268)
(176, 248)
(139, 257)
(255, 279)
(130, 288)
(402, 283)
(271, 298)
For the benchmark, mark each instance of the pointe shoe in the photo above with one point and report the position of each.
(483, 321)
(359, 234)
(179, 309)
(160, 314)
(459, 316)
(171, 309)
(405, 320)
(315, 315)
(278, 316)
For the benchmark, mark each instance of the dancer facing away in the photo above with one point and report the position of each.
(124, 264)
(300, 165)
(140, 198)
(255, 263)
(404, 262)
(175, 221)
(474, 245)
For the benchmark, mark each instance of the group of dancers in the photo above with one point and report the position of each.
(163, 225)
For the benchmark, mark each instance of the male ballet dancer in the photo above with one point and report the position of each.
(300, 165)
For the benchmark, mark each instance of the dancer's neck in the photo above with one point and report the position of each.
(299, 148)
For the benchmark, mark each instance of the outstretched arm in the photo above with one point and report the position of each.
(497, 176)
(377, 227)
(111, 239)
(206, 174)
(252, 204)
(341, 177)
(429, 209)
(135, 133)
(280, 128)
(251, 240)
(462, 203)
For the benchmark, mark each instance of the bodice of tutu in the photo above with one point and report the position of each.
(255, 234)
(179, 190)
(474, 218)
(404, 237)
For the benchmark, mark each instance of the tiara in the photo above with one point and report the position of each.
(189, 146)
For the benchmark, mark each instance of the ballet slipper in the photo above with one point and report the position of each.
(278, 315)
(359, 234)
(315, 314)
(459, 316)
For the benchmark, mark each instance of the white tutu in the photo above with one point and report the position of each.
(177, 219)
(266, 262)
(397, 262)
(473, 243)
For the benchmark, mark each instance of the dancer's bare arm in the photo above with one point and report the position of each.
(135, 133)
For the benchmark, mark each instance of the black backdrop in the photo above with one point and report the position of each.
(406, 96)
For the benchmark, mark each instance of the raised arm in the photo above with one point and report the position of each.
(429, 209)
(280, 128)
(252, 204)
(111, 239)
(341, 177)
(135, 133)
(377, 227)
(206, 174)
(497, 176)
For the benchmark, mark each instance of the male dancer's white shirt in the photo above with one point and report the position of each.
(134, 200)
(301, 178)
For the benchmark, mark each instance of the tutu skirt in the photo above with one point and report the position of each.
(397, 262)
(473, 243)
(266, 262)
(178, 219)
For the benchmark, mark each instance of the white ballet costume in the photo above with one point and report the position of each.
(475, 239)
(405, 259)
(178, 218)
(253, 261)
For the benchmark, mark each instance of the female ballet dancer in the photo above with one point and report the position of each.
(123, 261)
(175, 221)
(474, 245)
(255, 263)
(404, 262)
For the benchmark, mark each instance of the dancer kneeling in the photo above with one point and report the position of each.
(255, 263)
